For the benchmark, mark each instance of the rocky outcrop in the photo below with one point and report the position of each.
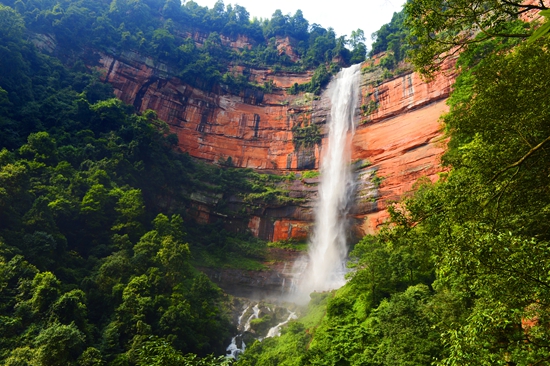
(398, 138)
(275, 279)
(399, 150)
(290, 221)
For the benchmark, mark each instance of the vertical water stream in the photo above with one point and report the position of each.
(328, 246)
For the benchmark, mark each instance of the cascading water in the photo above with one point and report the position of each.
(275, 316)
(328, 247)
(233, 350)
(276, 330)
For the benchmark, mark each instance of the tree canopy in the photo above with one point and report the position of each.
(442, 28)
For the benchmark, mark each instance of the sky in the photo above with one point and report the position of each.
(343, 16)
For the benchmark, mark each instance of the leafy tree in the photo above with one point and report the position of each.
(58, 345)
(130, 213)
(163, 42)
(45, 289)
(359, 49)
(91, 357)
(406, 329)
(299, 26)
(12, 25)
(40, 147)
(71, 308)
(391, 38)
(542, 30)
(486, 222)
(439, 29)
(277, 25)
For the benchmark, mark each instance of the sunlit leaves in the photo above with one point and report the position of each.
(543, 29)
(11, 24)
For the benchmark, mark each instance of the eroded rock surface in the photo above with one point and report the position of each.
(253, 128)
(398, 138)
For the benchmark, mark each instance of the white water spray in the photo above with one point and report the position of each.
(328, 247)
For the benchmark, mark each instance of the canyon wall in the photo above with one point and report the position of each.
(253, 128)
(398, 137)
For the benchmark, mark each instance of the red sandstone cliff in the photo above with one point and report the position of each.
(252, 128)
(401, 138)
(398, 137)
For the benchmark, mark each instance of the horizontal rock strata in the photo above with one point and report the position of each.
(398, 137)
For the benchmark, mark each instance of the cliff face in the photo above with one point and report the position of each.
(253, 128)
(398, 138)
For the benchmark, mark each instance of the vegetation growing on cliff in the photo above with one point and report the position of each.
(306, 135)
(319, 80)
(390, 38)
(192, 40)
(269, 189)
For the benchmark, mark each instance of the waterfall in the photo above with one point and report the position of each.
(328, 245)
(325, 267)
(255, 315)
(233, 350)
(270, 313)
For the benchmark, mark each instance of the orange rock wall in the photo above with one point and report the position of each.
(253, 128)
(286, 229)
(405, 92)
(400, 138)
(401, 150)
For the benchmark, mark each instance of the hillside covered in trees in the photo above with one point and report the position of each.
(98, 264)
(188, 37)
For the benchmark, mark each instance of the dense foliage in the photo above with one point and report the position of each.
(193, 40)
(390, 38)
(439, 29)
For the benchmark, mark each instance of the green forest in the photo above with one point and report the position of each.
(98, 262)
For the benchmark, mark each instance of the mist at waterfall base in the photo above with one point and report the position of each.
(325, 266)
